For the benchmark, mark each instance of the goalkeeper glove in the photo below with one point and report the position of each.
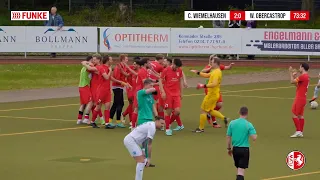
(201, 86)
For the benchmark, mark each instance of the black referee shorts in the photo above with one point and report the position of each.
(241, 157)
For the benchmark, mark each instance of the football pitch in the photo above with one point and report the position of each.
(40, 140)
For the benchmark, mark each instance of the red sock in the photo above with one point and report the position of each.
(100, 113)
(296, 123)
(93, 107)
(106, 116)
(301, 124)
(217, 108)
(94, 115)
(79, 116)
(168, 121)
(179, 122)
(161, 114)
(134, 119)
(86, 116)
(128, 110)
(172, 118)
(130, 116)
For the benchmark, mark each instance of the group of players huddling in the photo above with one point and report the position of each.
(98, 79)
(154, 90)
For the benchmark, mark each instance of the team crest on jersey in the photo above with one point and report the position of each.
(178, 74)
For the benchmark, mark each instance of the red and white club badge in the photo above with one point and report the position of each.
(295, 160)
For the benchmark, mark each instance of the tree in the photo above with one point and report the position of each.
(2, 3)
(308, 5)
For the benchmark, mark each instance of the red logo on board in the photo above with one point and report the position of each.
(295, 160)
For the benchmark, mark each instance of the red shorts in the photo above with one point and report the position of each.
(220, 98)
(103, 96)
(298, 107)
(94, 93)
(85, 95)
(161, 102)
(172, 102)
(130, 93)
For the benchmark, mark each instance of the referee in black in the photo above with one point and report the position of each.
(238, 134)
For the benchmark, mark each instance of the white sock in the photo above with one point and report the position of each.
(102, 118)
(139, 171)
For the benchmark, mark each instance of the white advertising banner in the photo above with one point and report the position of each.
(281, 41)
(205, 41)
(160, 40)
(67, 39)
(12, 39)
(134, 40)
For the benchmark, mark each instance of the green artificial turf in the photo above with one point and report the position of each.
(185, 155)
(31, 76)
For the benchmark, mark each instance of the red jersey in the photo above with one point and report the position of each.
(117, 74)
(94, 83)
(104, 83)
(172, 81)
(131, 79)
(142, 75)
(157, 67)
(222, 67)
(302, 86)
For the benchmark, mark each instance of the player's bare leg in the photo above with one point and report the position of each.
(80, 114)
(315, 93)
(134, 118)
(299, 124)
(240, 174)
(167, 119)
(161, 113)
(108, 125)
(160, 110)
(176, 117)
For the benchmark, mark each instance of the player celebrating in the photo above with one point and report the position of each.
(219, 104)
(141, 77)
(94, 83)
(316, 91)
(104, 91)
(119, 73)
(131, 79)
(167, 63)
(302, 83)
(85, 93)
(210, 100)
(156, 67)
(171, 85)
(135, 139)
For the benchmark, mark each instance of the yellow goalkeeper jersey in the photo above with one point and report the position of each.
(215, 75)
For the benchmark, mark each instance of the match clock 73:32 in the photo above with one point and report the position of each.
(299, 15)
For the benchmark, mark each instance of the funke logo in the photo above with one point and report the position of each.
(29, 15)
